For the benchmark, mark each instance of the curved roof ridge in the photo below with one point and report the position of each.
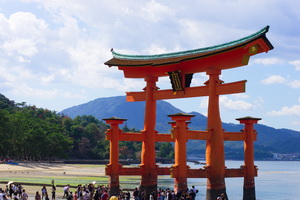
(191, 52)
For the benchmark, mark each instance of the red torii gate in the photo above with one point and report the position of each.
(180, 67)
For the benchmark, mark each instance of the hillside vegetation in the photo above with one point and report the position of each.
(31, 133)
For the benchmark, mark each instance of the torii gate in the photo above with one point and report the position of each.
(180, 67)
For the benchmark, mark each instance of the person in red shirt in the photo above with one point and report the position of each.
(104, 196)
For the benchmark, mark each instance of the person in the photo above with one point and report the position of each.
(70, 197)
(127, 195)
(221, 197)
(20, 189)
(194, 189)
(104, 196)
(192, 194)
(16, 196)
(44, 191)
(1, 194)
(37, 196)
(66, 191)
(75, 195)
(113, 197)
(96, 196)
(46, 196)
(24, 196)
(136, 194)
(86, 195)
(53, 192)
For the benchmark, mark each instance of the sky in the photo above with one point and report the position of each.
(53, 51)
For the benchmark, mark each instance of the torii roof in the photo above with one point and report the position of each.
(223, 56)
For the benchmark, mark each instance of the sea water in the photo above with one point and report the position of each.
(275, 180)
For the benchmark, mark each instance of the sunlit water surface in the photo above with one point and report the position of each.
(276, 180)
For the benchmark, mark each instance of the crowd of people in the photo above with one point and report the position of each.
(100, 192)
(15, 192)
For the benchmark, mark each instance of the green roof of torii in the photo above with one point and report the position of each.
(227, 45)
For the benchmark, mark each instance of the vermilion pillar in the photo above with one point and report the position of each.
(215, 160)
(249, 184)
(180, 135)
(113, 166)
(148, 163)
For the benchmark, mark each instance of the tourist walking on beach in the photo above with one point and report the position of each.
(24, 196)
(53, 192)
(66, 191)
(37, 196)
(19, 189)
(44, 192)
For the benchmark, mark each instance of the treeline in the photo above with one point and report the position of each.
(31, 133)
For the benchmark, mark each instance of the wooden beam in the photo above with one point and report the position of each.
(235, 172)
(234, 136)
(164, 138)
(198, 135)
(226, 88)
(232, 88)
(131, 137)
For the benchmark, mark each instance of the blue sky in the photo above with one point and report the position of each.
(52, 52)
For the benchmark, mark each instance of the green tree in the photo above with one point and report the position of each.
(165, 150)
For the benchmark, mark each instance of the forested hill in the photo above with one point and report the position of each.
(268, 139)
(37, 134)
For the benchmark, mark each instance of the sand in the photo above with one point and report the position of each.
(38, 171)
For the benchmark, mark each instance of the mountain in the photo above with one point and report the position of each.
(268, 139)
(118, 107)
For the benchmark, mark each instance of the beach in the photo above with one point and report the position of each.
(45, 173)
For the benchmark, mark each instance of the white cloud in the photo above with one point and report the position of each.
(268, 61)
(274, 79)
(231, 104)
(296, 63)
(52, 93)
(294, 84)
(25, 47)
(154, 11)
(293, 110)
(277, 79)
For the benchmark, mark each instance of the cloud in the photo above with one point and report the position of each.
(293, 110)
(277, 79)
(231, 104)
(154, 11)
(296, 63)
(268, 61)
(25, 47)
(294, 84)
(274, 79)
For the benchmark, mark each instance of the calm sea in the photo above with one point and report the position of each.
(276, 180)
